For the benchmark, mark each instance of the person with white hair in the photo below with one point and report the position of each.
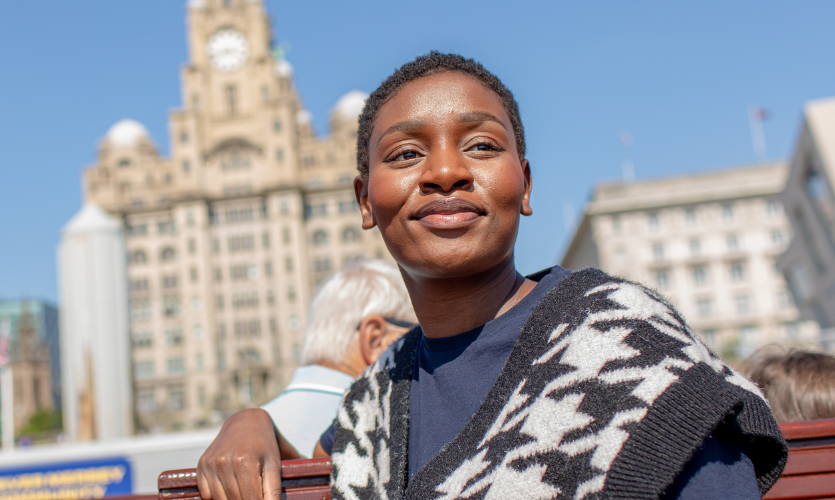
(354, 316)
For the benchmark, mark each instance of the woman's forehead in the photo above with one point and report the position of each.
(438, 97)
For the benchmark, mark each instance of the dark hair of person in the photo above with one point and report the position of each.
(799, 385)
(426, 65)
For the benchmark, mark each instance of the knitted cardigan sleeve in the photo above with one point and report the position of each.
(607, 394)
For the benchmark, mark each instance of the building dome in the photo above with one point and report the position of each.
(196, 4)
(89, 219)
(126, 133)
(303, 117)
(350, 105)
(283, 69)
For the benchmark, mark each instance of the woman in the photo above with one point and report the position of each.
(560, 385)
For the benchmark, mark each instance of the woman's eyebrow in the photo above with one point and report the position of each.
(406, 126)
(478, 117)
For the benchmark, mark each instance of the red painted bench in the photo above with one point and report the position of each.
(809, 473)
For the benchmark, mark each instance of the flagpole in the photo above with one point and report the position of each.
(756, 116)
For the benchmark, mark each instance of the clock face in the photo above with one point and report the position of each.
(228, 50)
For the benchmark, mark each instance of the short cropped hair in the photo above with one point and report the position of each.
(426, 65)
(799, 385)
(341, 303)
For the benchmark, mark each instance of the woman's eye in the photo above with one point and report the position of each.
(406, 155)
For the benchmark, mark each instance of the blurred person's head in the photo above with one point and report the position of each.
(355, 315)
(799, 385)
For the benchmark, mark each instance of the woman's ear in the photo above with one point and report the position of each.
(361, 192)
(373, 331)
(526, 209)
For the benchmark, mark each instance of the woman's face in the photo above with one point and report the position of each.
(445, 186)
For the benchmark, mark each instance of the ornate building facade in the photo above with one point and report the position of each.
(229, 235)
(710, 242)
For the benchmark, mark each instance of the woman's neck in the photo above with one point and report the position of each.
(449, 306)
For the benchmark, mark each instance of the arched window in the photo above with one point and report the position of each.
(167, 255)
(320, 238)
(249, 358)
(138, 257)
(350, 234)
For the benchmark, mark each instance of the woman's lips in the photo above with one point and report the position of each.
(448, 213)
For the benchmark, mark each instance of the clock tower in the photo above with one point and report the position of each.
(233, 134)
(229, 235)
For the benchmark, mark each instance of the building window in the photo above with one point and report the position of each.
(140, 310)
(322, 265)
(291, 293)
(728, 212)
(169, 281)
(174, 336)
(265, 240)
(654, 221)
(241, 243)
(143, 369)
(265, 93)
(709, 337)
(221, 330)
(176, 366)
(662, 278)
(690, 217)
(288, 264)
(247, 328)
(236, 215)
(270, 297)
(320, 238)
(143, 339)
(350, 235)
(171, 306)
(700, 275)
(221, 361)
(658, 251)
(186, 166)
(176, 397)
(348, 206)
(146, 400)
(138, 257)
(774, 208)
(231, 99)
(695, 247)
(124, 162)
(784, 299)
(168, 254)
(737, 271)
(704, 305)
(245, 300)
(166, 227)
(273, 326)
(317, 210)
(285, 233)
(219, 302)
(139, 285)
(742, 302)
(195, 303)
(747, 340)
(778, 238)
(268, 269)
(201, 390)
(184, 137)
(277, 125)
(732, 243)
(137, 229)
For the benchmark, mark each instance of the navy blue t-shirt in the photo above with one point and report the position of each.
(452, 377)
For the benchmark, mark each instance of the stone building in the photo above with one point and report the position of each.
(809, 262)
(228, 236)
(709, 242)
(32, 328)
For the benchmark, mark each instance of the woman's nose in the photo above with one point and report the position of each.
(446, 170)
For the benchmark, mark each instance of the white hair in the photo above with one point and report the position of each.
(341, 303)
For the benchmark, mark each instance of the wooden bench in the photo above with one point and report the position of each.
(809, 473)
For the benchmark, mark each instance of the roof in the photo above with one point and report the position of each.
(89, 219)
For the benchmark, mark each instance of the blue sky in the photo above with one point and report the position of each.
(679, 77)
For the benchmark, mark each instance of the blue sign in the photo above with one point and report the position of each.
(67, 480)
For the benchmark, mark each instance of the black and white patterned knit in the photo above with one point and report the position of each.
(607, 394)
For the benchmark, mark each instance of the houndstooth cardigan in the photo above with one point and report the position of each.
(606, 394)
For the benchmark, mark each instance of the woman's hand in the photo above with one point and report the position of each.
(244, 460)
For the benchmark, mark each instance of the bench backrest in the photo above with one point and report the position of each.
(809, 473)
